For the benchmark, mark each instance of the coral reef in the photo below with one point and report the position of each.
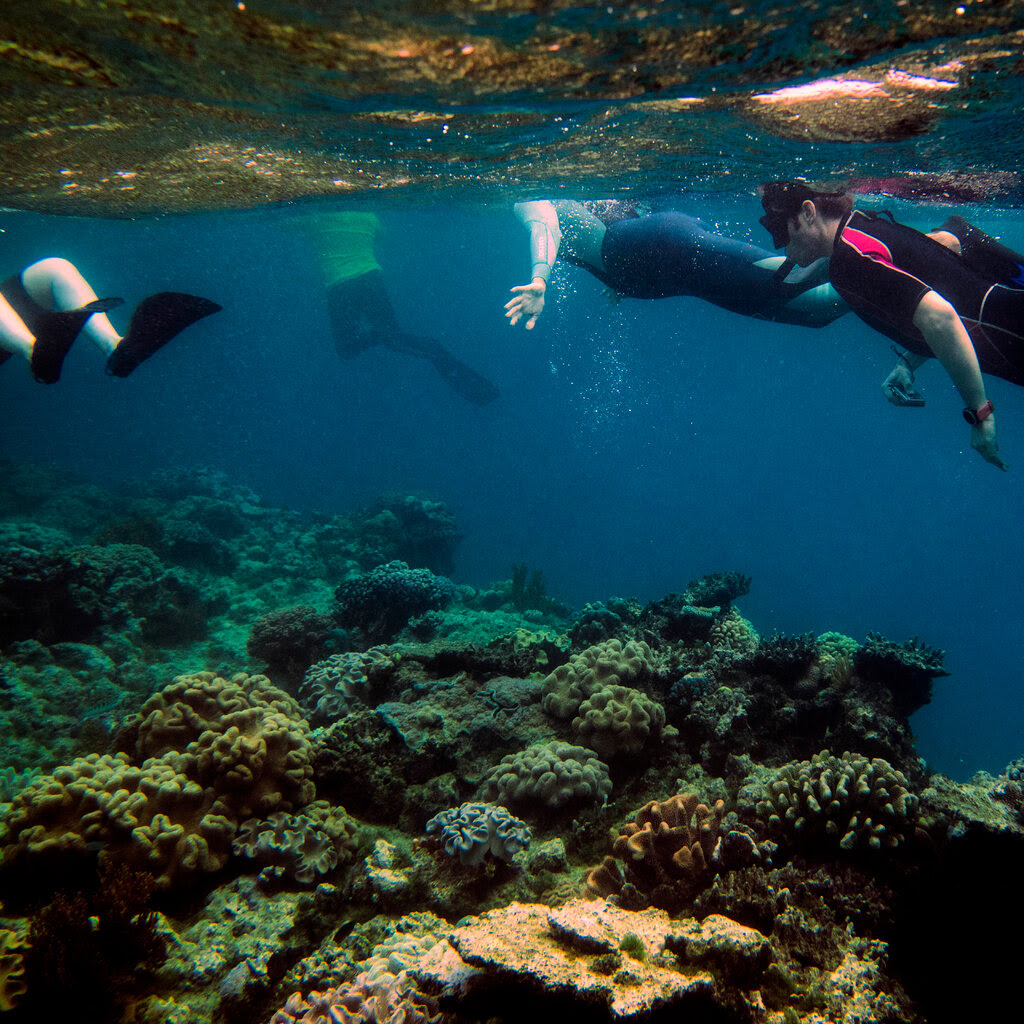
(473, 830)
(269, 902)
(550, 774)
(406, 528)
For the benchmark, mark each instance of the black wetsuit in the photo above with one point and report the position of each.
(884, 269)
(664, 254)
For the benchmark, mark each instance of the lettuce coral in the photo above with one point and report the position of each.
(473, 830)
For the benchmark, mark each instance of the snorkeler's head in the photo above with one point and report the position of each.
(782, 201)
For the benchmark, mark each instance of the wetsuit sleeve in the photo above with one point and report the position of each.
(541, 220)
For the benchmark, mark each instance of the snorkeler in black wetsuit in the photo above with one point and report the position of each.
(955, 293)
(666, 254)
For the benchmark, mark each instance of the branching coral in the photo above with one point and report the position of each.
(289, 640)
(553, 774)
(906, 670)
(381, 602)
(667, 850)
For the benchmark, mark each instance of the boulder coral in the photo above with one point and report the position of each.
(552, 774)
(610, 663)
(618, 720)
(851, 802)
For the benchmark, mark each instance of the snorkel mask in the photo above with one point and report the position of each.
(781, 201)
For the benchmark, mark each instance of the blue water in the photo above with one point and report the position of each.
(634, 447)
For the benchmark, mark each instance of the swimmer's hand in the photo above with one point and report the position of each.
(528, 301)
(899, 388)
(983, 441)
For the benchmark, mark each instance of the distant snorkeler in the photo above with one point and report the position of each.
(657, 255)
(45, 307)
(360, 312)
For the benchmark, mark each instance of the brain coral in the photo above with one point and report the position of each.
(473, 830)
(851, 802)
(611, 663)
(553, 774)
(202, 755)
(618, 720)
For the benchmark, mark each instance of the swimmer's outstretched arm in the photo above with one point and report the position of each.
(541, 220)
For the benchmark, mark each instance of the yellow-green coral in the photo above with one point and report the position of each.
(735, 635)
(851, 801)
(835, 657)
(610, 663)
(618, 720)
(553, 774)
(13, 943)
(213, 752)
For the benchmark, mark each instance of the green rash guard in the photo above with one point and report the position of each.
(343, 242)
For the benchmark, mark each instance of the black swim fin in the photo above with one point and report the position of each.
(984, 254)
(464, 380)
(56, 333)
(156, 320)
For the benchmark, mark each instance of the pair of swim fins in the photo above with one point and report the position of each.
(156, 320)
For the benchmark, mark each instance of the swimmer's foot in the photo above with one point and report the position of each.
(156, 320)
(56, 333)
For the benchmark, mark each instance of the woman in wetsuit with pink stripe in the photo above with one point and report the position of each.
(954, 294)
